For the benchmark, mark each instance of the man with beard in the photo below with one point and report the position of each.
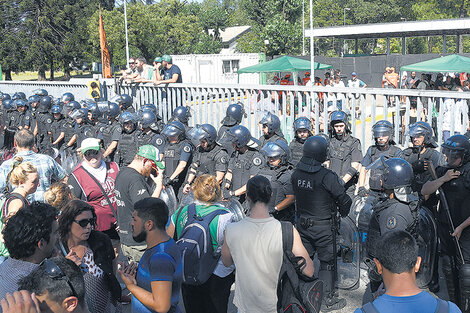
(156, 287)
(131, 186)
(345, 153)
(302, 129)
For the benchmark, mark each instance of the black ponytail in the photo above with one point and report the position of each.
(259, 189)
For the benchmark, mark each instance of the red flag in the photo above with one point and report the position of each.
(105, 58)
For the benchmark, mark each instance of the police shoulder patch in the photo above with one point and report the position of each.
(391, 222)
(12, 118)
(159, 141)
(187, 148)
(27, 117)
(49, 121)
(257, 161)
(223, 159)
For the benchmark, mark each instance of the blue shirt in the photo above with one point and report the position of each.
(423, 302)
(160, 263)
(48, 170)
(168, 73)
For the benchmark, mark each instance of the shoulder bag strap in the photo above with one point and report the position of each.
(287, 236)
(442, 306)
(101, 188)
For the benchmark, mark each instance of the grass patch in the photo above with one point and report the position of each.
(58, 76)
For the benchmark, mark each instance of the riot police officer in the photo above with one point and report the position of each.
(156, 125)
(345, 153)
(125, 103)
(278, 170)
(33, 103)
(147, 134)
(384, 146)
(398, 210)
(209, 157)
(24, 117)
(177, 154)
(303, 129)
(233, 116)
(94, 117)
(68, 125)
(271, 127)
(82, 128)
(182, 115)
(43, 123)
(421, 153)
(454, 179)
(244, 162)
(319, 198)
(56, 132)
(111, 132)
(67, 97)
(127, 144)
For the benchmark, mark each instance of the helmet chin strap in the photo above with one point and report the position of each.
(339, 136)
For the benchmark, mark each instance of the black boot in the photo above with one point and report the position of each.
(331, 301)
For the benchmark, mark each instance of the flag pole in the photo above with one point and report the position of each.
(127, 38)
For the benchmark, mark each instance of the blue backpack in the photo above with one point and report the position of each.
(197, 254)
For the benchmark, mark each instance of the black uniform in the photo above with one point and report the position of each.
(373, 154)
(127, 148)
(146, 137)
(342, 153)
(209, 162)
(173, 153)
(243, 166)
(44, 123)
(56, 130)
(111, 132)
(68, 127)
(319, 196)
(281, 185)
(295, 148)
(264, 139)
(228, 146)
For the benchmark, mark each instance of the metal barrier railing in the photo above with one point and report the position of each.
(446, 111)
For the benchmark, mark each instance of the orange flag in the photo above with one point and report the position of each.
(105, 58)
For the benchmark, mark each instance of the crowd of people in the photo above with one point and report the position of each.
(82, 183)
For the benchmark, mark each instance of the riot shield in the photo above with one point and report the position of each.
(348, 254)
(360, 213)
(168, 196)
(69, 160)
(427, 244)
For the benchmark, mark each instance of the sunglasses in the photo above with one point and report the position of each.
(84, 223)
(53, 271)
(154, 166)
(90, 153)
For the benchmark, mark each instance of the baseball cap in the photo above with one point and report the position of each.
(150, 152)
(353, 74)
(90, 144)
(158, 60)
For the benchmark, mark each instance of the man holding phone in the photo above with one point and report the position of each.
(132, 186)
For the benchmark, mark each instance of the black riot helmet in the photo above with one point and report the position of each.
(339, 117)
(79, 113)
(397, 173)
(18, 96)
(94, 110)
(4, 96)
(33, 99)
(69, 107)
(383, 128)
(202, 132)
(67, 97)
(240, 136)
(457, 146)
(423, 129)
(124, 101)
(276, 149)
(126, 117)
(21, 103)
(273, 122)
(302, 123)
(7, 104)
(41, 92)
(45, 104)
(175, 128)
(181, 114)
(234, 115)
(153, 108)
(56, 109)
(147, 119)
(316, 148)
(113, 110)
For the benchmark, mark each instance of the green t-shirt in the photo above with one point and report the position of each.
(201, 210)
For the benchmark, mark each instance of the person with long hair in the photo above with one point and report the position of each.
(93, 252)
(212, 295)
(58, 195)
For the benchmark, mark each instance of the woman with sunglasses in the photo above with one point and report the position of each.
(93, 252)
(93, 182)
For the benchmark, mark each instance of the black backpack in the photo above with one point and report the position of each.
(442, 307)
(197, 254)
(296, 292)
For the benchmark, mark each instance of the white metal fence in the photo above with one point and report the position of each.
(445, 111)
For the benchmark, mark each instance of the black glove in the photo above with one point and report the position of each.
(226, 194)
(419, 166)
(362, 192)
(167, 181)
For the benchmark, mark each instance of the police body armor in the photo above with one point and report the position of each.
(295, 148)
(68, 126)
(242, 165)
(145, 138)
(263, 139)
(14, 119)
(376, 171)
(340, 154)
(56, 129)
(44, 123)
(416, 159)
(107, 132)
(172, 154)
(221, 134)
(127, 148)
(24, 119)
(206, 160)
(34, 117)
(277, 176)
(84, 131)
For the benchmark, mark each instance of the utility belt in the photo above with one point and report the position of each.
(307, 222)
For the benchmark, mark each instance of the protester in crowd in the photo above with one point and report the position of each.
(338, 83)
(26, 179)
(398, 265)
(355, 82)
(440, 84)
(171, 72)
(58, 195)
(254, 245)
(93, 181)
(213, 295)
(30, 236)
(306, 79)
(48, 169)
(132, 186)
(129, 73)
(56, 286)
(144, 71)
(91, 250)
(412, 81)
(156, 287)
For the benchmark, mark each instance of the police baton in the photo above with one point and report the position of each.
(334, 230)
(445, 207)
